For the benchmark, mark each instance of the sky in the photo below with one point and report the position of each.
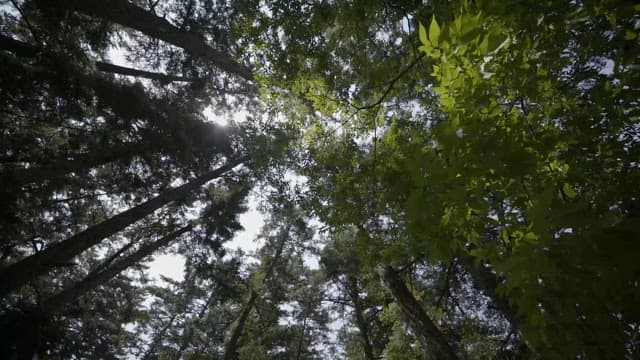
(172, 266)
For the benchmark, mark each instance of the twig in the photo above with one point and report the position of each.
(32, 29)
(391, 84)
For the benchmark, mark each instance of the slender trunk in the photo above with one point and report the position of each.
(121, 70)
(188, 331)
(361, 323)
(127, 101)
(61, 167)
(22, 49)
(301, 340)
(17, 47)
(435, 344)
(105, 264)
(16, 275)
(231, 349)
(127, 14)
(189, 288)
(93, 281)
(151, 351)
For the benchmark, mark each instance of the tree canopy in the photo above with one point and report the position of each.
(437, 179)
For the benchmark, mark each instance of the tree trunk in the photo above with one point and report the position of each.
(127, 14)
(16, 275)
(61, 167)
(151, 351)
(188, 283)
(231, 349)
(188, 331)
(361, 323)
(122, 70)
(127, 101)
(435, 344)
(22, 49)
(93, 281)
(301, 339)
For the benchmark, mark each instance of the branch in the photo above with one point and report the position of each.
(390, 86)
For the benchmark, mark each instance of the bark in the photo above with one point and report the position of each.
(106, 263)
(301, 339)
(127, 14)
(22, 49)
(16, 275)
(151, 352)
(17, 47)
(435, 344)
(361, 323)
(93, 281)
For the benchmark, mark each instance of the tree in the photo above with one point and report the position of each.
(470, 165)
(85, 139)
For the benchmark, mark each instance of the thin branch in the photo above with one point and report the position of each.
(390, 86)
(445, 289)
(32, 29)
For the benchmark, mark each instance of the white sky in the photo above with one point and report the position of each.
(172, 266)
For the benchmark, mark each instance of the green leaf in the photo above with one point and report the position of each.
(568, 191)
(483, 46)
(630, 35)
(422, 33)
(434, 31)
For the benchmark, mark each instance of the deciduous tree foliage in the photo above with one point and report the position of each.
(440, 180)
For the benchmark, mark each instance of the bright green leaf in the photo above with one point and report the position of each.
(422, 32)
(434, 31)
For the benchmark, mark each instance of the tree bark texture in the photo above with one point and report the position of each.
(435, 344)
(231, 349)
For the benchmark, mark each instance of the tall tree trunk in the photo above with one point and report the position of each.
(16, 275)
(61, 167)
(22, 49)
(188, 331)
(122, 70)
(301, 339)
(231, 349)
(128, 101)
(127, 14)
(435, 344)
(189, 288)
(93, 281)
(27, 325)
(361, 323)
